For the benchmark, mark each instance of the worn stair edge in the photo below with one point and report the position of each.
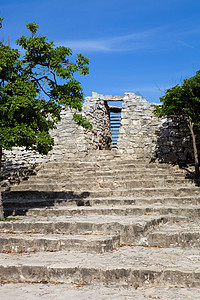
(99, 185)
(106, 176)
(183, 234)
(17, 243)
(181, 239)
(129, 229)
(120, 210)
(135, 192)
(127, 276)
(108, 172)
(129, 265)
(103, 163)
(21, 206)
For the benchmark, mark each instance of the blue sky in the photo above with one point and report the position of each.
(142, 46)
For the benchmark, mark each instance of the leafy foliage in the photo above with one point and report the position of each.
(25, 115)
(81, 121)
(184, 101)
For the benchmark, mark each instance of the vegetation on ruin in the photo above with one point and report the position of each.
(7, 219)
(184, 101)
(33, 88)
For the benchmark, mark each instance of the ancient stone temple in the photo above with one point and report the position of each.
(108, 213)
(131, 129)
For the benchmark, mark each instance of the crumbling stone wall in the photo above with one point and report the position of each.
(137, 134)
(174, 144)
(96, 110)
(141, 134)
(70, 140)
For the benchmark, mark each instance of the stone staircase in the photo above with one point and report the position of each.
(104, 220)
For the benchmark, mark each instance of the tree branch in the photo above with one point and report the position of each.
(40, 84)
(54, 76)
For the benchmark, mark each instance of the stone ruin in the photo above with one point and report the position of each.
(100, 219)
(137, 133)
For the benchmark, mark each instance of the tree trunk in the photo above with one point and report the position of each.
(1, 204)
(196, 159)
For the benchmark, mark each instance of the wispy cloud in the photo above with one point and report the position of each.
(138, 89)
(185, 44)
(122, 43)
(156, 38)
(103, 45)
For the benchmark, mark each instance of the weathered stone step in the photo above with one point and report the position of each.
(109, 178)
(100, 162)
(57, 242)
(18, 291)
(102, 154)
(129, 228)
(43, 208)
(105, 177)
(162, 200)
(142, 266)
(43, 195)
(136, 166)
(33, 199)
(136, 192)
(150, 192)
(183, 234)
(53, 184)
(39, 199)
(120, 210)
(102, 173)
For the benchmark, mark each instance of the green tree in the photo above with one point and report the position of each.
(184, 101)
(28, 107)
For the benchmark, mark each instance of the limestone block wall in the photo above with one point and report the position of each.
(174, 144)
(70, 139)
(137, 133)
(96, 110)
(142, 135)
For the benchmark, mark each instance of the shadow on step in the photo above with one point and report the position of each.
(191, 176)
(19, 202)
(14, 174)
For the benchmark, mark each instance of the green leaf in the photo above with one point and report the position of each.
(34, 87)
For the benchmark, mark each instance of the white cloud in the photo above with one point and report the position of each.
(103, 45)
(88, 45)
(185, 44)
(156, 38)
(129, 42)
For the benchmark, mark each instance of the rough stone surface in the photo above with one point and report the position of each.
(107, 223)
(70, 141)
(173, 144)
(137, 134)
(83, 291)
(141, 136)
(119, 233)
